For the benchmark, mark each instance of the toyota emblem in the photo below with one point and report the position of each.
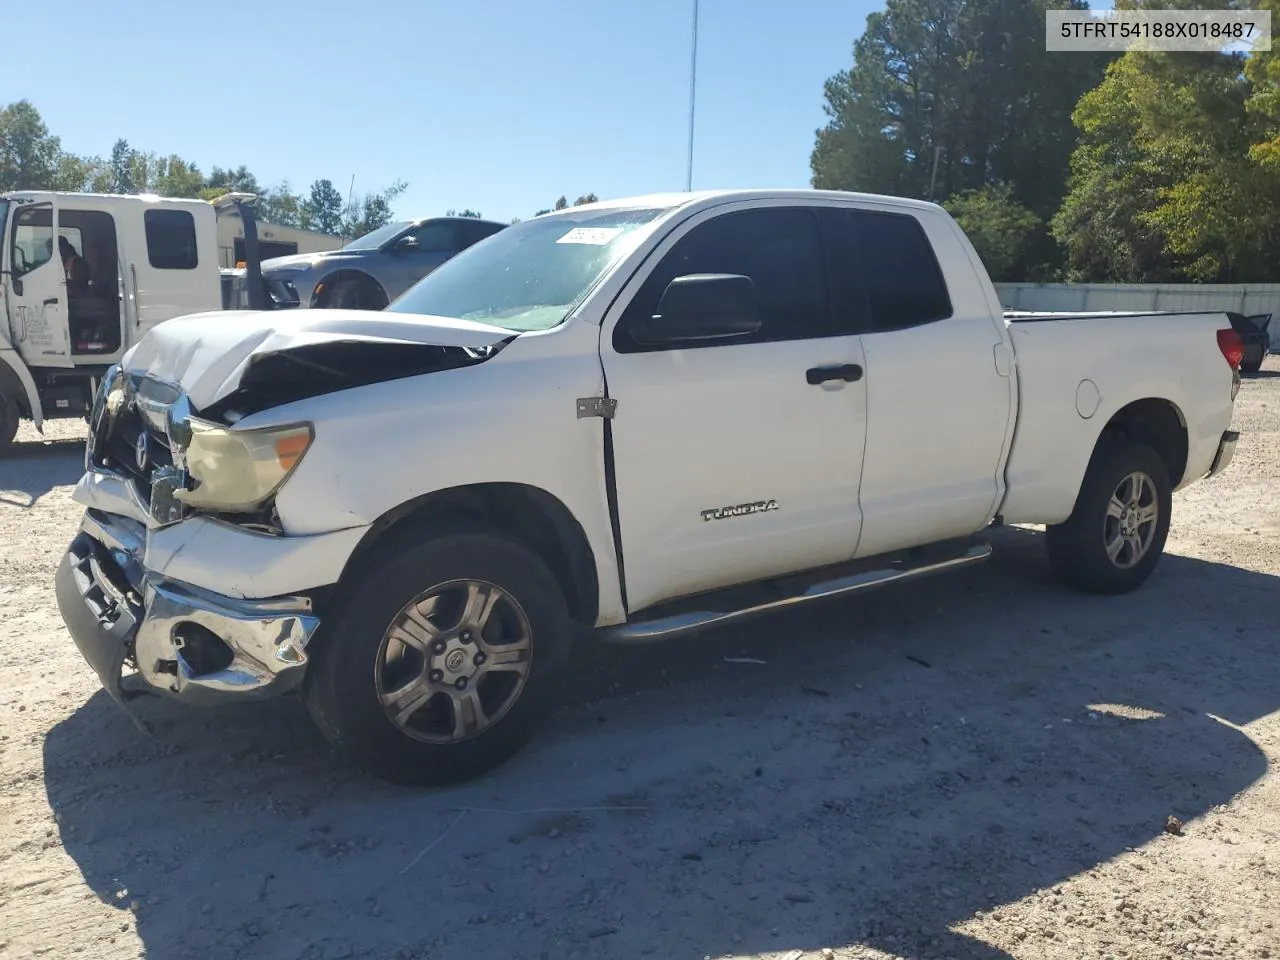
(141, 451)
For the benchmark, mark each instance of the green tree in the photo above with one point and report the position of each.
(121, 168)
(29, 154)
(945, 97)
(279, 205)
(464, 213)
(1002, 230)
(174, 177)
(239, 180)
(1170, 180)
(323, 208)
(371, 211)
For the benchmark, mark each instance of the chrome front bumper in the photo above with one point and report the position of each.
(1226, 450)
(184, 642)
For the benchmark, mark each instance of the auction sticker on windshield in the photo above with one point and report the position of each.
(597, 236)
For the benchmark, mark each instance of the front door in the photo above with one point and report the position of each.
(433, 243)
(731, 465)
(38, 308)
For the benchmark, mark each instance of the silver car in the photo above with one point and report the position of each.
(371, 271)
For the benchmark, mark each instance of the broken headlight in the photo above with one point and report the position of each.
(239, 470)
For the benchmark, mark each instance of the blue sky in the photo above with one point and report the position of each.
(497, 105)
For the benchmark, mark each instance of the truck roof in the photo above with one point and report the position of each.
(706, 198)
(80, 196)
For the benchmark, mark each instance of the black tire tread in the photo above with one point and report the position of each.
(1076, 550)
(339, 691)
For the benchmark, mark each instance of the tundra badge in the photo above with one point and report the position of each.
(740, 510)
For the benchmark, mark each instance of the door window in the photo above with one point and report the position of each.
(32, 239)
(473, 233)
(885, 275)
(171, 239)
(436, 238)
(777, 247)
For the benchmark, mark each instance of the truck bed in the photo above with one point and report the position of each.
(1074, 377)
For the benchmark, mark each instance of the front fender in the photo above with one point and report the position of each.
(511, 419)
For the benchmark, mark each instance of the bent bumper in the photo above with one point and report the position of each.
(185, 642)
(1226, 450)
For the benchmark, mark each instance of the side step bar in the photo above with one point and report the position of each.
(663, 628)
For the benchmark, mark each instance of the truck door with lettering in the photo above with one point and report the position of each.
(37, 287)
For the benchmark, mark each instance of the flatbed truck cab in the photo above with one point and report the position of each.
(82, 278)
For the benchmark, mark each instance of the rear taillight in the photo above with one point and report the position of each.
(1232, 346)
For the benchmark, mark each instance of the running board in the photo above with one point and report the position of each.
(663, 628)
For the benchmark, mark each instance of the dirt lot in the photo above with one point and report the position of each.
(979, 766)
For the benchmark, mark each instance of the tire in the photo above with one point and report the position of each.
(1078, 547)
(1252, 366)
(8, 420)
(356, 293)
(359, 662)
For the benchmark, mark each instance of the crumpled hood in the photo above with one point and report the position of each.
(207, 353)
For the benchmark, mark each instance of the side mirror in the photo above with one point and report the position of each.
(699, 307)
(406, 244)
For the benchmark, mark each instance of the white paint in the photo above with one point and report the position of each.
(953, 422)
(239, 563)
(594, 236)
(1087, 399)
(1246, 298)
(208, 353)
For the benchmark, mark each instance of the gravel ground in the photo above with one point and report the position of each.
(982, 765)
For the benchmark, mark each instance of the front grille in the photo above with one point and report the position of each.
(120, 451)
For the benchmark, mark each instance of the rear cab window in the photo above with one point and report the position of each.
(885, 274)
(171, 239)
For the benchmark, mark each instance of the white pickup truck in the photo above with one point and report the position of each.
(621, 422)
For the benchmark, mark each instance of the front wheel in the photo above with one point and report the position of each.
(8, 420)
(442, 661)
(356, 293)
(1114, 537)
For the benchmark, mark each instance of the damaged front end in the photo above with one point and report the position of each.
(181, 580)
(141, 631)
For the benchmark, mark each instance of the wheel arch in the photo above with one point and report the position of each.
(319, 294)
(1155, 421)
(531, 516)
(16, 381)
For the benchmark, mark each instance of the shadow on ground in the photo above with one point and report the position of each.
(30, 469)
(899, 762)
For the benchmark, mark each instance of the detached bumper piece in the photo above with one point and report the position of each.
(185, 643)
(1226, 450)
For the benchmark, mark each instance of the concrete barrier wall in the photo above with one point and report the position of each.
(1246, 298)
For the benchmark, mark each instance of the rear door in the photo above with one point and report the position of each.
(940, 392)
(37, 281)
(173, 263)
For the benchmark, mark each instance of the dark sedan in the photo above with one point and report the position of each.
(371, 271)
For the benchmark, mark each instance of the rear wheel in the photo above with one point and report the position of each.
(442, 662)
(1114, 537)
(1251, 366)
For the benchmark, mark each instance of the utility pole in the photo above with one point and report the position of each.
(693, 88)
(933, 177)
